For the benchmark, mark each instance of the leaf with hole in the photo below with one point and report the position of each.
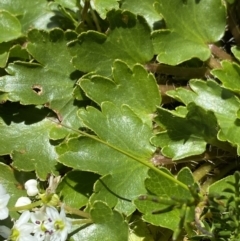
(49, 82)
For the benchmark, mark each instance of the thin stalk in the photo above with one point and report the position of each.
(164, 88)
(220, 53)
(82, 221)
(233, 25)
(94, 16)
(26, 207)
(39, 203)
(143, 162)
(214, 63)
(77, 212)
(84, 12)
(184, 72)
(223, 171)
(202, 171)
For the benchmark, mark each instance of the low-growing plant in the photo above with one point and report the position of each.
(119, 120)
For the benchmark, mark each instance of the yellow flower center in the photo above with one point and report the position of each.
(14, 235)
(59, 224)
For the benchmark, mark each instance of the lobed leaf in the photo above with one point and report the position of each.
(50, 81)
(128, 39)
(228, 75)
(144, 8)
(26, 139)
(191, 26)
(123, 137)
(76, 188)
(162, 187)
(10, 27)
(104, 6)
(222, 102)
(136, 88)
(108, 225)
(187, 135)
(31, 14)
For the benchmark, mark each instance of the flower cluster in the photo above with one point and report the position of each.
(43, 224)
(46, 224)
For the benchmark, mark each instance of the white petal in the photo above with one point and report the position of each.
(52, 213)
(39, 216)
(25, 216)
(3, 213)
(4, 200)
(26, 228)
(2, 190)
(5, 231)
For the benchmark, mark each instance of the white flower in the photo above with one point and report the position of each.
(4, 198)
(58, 224)
(22, 201)
(40, 231)
(5, 231)
(22, 230)
(31, 187)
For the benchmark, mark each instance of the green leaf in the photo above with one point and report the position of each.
(117, 170)
(26, 139)
(140, 231)
(4, 53)
(127, 39)
(191, 26)
(144, 8)
(70, 4)
(31, 14)
(219, 186)
(236, 51)
(10, 27)
(18, 51)
(50, 82)
(120, 195)
(229, 75)
(127, 87)
(76, 187)
(13, 181)
(104, 6)
(108, 225)
(185, 136)
(123, 137)
(162, 187)
(222, 102)
(120, 127)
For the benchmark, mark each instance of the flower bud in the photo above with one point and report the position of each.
(22, 201)
(31, 187)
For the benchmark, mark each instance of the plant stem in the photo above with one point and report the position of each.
(144, 162)
(26, 207)
(233, 13)
(77, 212)
(202, 171)
(85, 10)
(94, 16)
(184, 72)
(82, 221)
(214, 63)
(223, 171)
(220, 53)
